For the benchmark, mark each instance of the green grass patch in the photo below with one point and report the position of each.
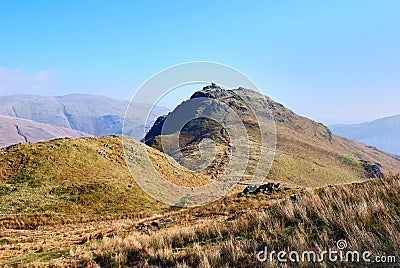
(351, 160)
(43, 256)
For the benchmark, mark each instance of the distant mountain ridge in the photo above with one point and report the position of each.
(96, 115)
(383, 133)
(16, 130)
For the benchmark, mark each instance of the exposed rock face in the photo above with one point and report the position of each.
(155, 130)
(372, 170)
(212, 91)
(192, 133)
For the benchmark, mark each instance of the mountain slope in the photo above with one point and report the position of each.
(383, 133)
(307, 153)
(75, 179)
(92, 114)
(15, 130)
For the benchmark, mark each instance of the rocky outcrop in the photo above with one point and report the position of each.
(213, 91)
(372, 170)
(263, 188)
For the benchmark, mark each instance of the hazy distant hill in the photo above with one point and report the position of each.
(307, 153)
(96, 115)
(383, 133)
(15, 130)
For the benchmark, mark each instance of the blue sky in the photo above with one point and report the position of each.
(332, 61)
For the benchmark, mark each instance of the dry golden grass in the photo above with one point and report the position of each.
(51, 239)
(366, 215)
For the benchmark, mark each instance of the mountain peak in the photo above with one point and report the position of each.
(307, 152)
(211, 91)
(214, 91)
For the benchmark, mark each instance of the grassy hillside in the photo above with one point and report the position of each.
(70, 180)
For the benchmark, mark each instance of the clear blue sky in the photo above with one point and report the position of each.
(333, 61)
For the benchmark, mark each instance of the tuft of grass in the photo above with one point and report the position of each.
(351, 160)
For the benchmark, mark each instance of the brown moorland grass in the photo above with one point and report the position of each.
(31, 244)
(366, 215)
